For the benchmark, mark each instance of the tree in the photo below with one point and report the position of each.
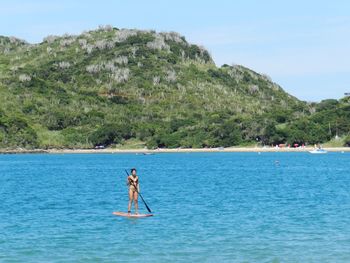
(347, 141)
(15, 132)
(109, 134)
(227, 134)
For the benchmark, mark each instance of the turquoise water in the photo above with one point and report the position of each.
(223, 207)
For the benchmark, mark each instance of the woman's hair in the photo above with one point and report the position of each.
(133, 169)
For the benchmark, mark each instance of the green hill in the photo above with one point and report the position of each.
(109, 86)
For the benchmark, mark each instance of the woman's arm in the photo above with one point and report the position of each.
(127, 181)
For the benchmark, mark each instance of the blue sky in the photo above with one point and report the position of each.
(302, 45)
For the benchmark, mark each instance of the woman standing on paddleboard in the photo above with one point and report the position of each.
(134, 188)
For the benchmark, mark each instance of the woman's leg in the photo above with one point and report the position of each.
(136, 203)
(130, 200)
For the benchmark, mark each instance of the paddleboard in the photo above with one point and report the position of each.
(131, 215)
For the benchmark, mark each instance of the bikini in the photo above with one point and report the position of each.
(133, 183)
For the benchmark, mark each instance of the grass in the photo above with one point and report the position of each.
(131, 144)
(50, 139)
(335, 142)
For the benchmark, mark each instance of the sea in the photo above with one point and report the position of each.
(208, 207)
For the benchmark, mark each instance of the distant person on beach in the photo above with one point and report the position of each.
(134, 187)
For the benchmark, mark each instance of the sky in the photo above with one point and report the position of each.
(304, 46)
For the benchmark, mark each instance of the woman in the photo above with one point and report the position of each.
(134, 188)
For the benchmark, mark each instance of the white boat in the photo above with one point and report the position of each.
(318, 151)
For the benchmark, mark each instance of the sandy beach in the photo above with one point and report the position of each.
(177, 150)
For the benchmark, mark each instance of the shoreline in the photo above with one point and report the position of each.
(177, 150)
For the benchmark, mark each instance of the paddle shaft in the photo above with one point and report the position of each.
(143, 200)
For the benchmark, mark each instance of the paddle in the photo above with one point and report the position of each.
(149, 210)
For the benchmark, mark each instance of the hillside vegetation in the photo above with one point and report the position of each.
(110, 86)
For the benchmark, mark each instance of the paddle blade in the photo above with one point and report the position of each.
(149, 210)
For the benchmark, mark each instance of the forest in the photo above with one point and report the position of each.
(116, 87)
